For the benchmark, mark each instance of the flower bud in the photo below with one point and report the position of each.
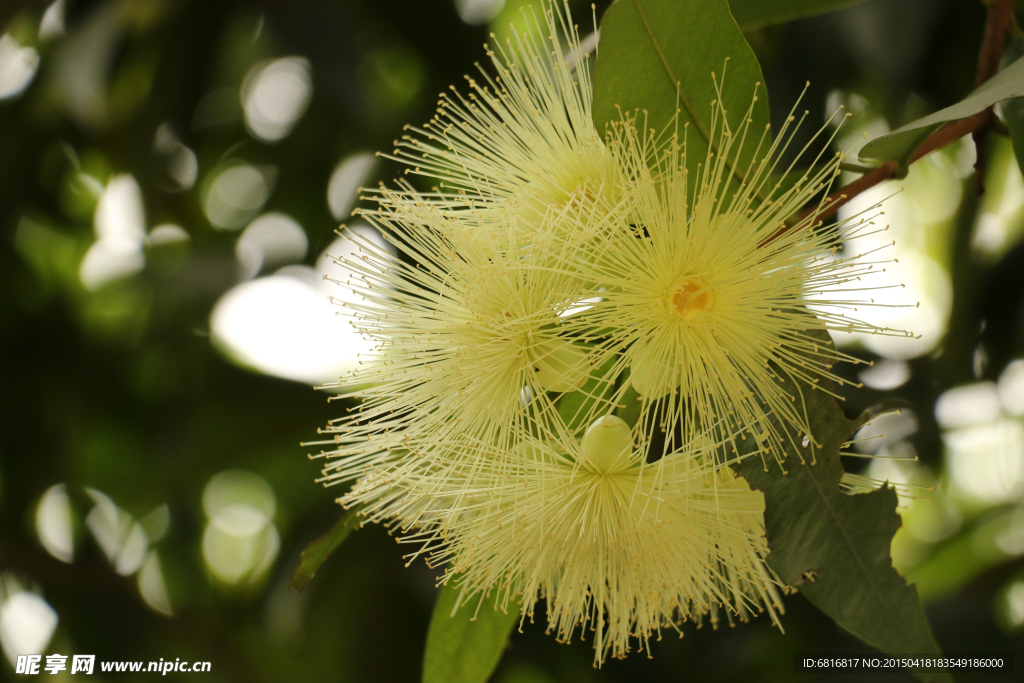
(650, 377)
(560, 366)
(608, 443)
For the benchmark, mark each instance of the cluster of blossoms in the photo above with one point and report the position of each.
(576, 332)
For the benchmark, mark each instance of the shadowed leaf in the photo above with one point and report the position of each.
(834, 547)
(465, 647)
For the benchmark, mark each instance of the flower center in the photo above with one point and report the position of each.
(583, 196)
(690, 299)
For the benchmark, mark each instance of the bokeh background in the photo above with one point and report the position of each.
(172, 174)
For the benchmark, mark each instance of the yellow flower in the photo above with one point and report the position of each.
(468, 342)
(606, 542)
(523, 136)
(711, 300)
(551, 281)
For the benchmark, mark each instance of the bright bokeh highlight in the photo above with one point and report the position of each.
(275, 95)
(240, 542)
(286, 324)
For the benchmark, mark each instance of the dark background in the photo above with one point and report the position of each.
(117, 395)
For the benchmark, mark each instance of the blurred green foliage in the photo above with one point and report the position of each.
(115, 391)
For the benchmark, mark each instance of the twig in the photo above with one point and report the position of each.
(855, 168)
(1000, 18)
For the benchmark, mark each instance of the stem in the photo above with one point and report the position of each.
(1000, 18)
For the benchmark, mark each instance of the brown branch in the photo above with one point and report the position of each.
(1000, 16)
(1000, 19)
(951, 132)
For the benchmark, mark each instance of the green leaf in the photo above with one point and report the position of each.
(576, 407)
(900, 144)
(1013, 110)
(629, 407)
(317, 552)
(834, 547)
(648, 47)
(464, 646)
(754, 14)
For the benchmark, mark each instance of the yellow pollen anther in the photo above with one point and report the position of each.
(691, 299)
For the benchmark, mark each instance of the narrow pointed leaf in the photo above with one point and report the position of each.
(901, 143)
(320, 549)
(834, 547)
(657, 53)
(753, 14)
(465, 647)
